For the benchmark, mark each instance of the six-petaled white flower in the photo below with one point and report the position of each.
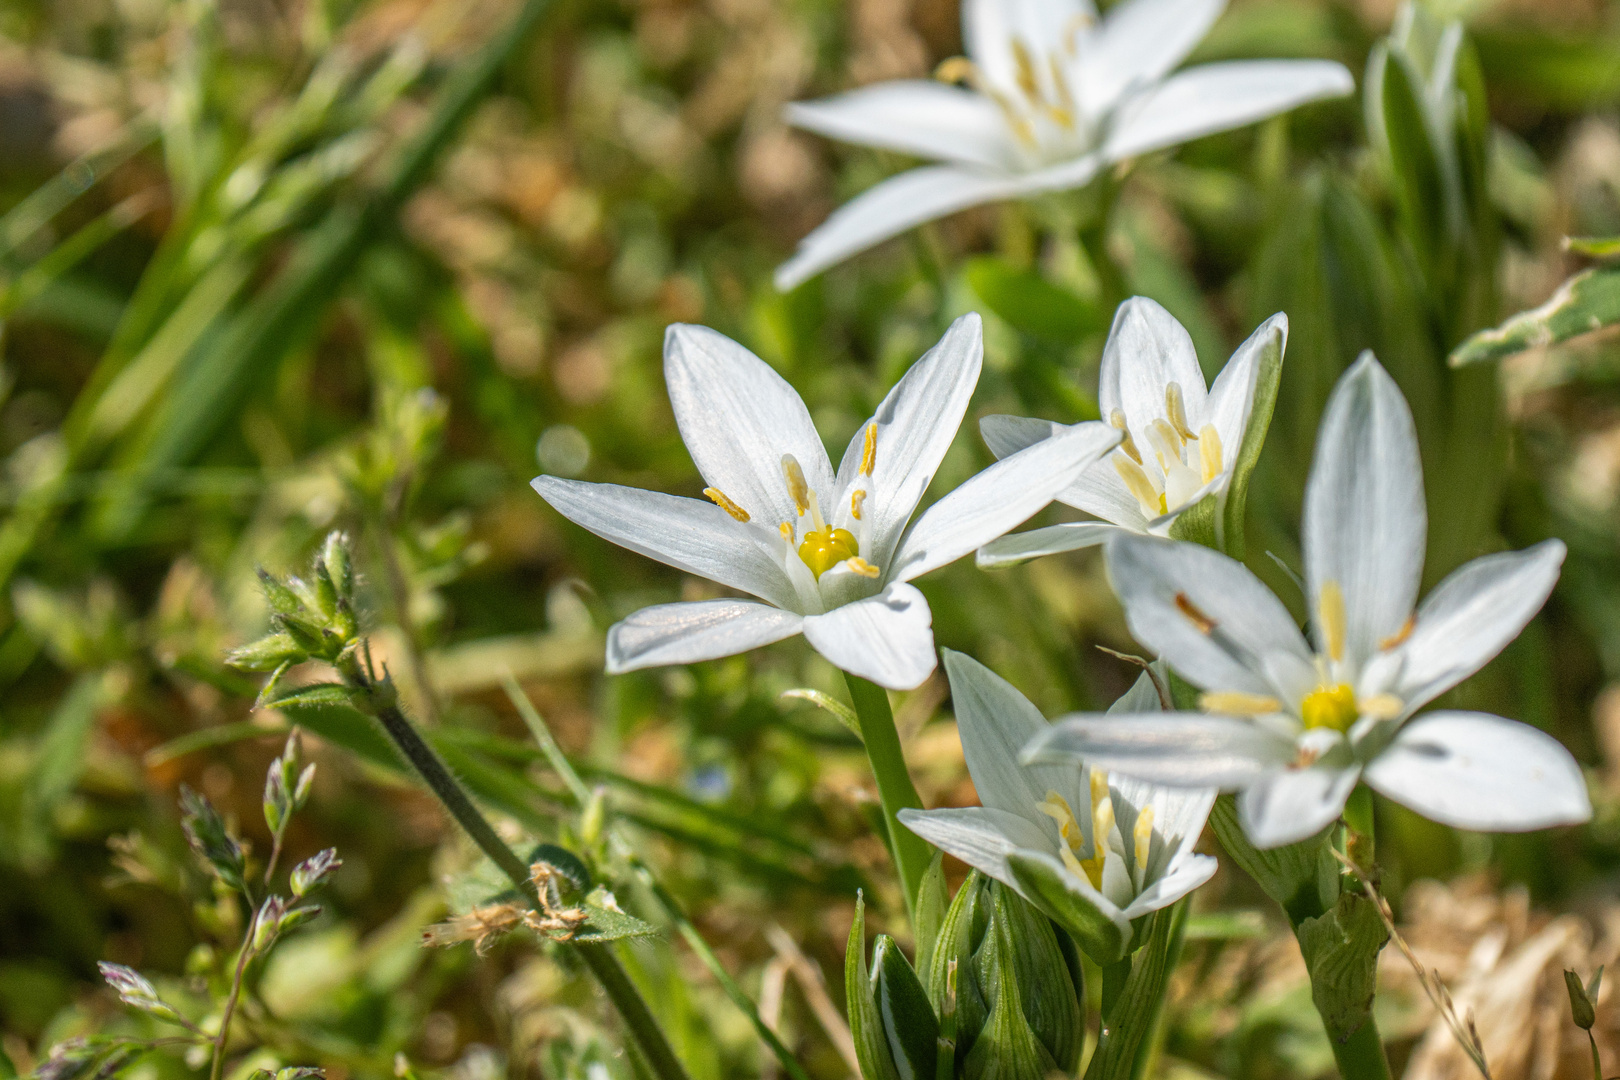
(830, 554)
(1052, 96)
(1295, 725)
(1094, 851)
(1182, 442)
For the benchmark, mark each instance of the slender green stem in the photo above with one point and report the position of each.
(1597, 1061)
(666, 899)
(895, 789)
(1147, 1053)
(632, 1007)
(1360, 1055)
(217, 1065)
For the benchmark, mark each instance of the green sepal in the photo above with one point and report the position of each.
(267, 653)
(1580, 1002)
(909, 1024)
(932, 902)
(282, 600)
(1100, 936)
(960, 934)
(865, 1026)
(1032, 957)
(1130, 1009)
(1341, 953)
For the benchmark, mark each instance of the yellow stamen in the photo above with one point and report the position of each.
(856, 499)
(786, 530)
(724, 502)
(1116, 420)
(1209, 453)
(823, 549)
(958, 69)
(1194, 614)
(1058, 809)
(1329, 707)
(1398, 638)
(1176, 409)
(1330, 616)
(1167, 442)
(1143, 837)
(869, 451)
(797, 486)
(1102, 823)
(1238, 703)
(1381, 706)
(1026, 71)
(862, 567)
(1064, 111)
(1138, 484)
(1071, 32)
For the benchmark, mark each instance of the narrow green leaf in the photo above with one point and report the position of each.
(1028, 302)
(932, 902)
(1586, 302)
(865, 1026)
(1594, 247)
(909, 1023)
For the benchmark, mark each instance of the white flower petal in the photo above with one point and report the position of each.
(1173, 749)
(922, 117)
(1001, 497)
(911, 198)
(1147, 350)
(1138, 43)
(916, 423)
(738, 417)
(995, 722)
(1294, 804)
(980, 836)
(1478, 771)
(1098, 490)
(1169, 588)
(989, 28)
(1006, 435)
(1232, 397)
(1015, 548)
(1182, 879)
(688, 633)
(1219, 97)
(1365, 521)
(887, 638)
(1472, 615)
(694, 536)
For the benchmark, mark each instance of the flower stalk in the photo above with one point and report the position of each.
(895, 789)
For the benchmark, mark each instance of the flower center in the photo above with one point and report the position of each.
(1181, 463)
(824, 548)
(1329, 707)
(1104, 837)
(1043, 98)
(819, 545)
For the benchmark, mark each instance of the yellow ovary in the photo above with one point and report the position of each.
(1329, 707)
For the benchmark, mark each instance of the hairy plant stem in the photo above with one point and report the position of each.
(895, 789)
(648, 1037)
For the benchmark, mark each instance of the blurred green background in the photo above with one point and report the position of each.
(271, 268)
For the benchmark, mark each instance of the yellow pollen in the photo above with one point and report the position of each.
(1209, 453)
(862, 567)
(724, 502)
(1116, 420)
(798, 488)
(856, 499)
(1194, 614)
(1381, 706)
(1398, 638)
(1329, 707)
(958, 69)
(1330, 615)
(1065, 104)
(1058, 809)
(1138, 484)
(1102, 823)
(1143, 835)
(823, 549)
(869, 451)
(1026, 71)
(1176, 409)
(786, 530)
(1237, 703)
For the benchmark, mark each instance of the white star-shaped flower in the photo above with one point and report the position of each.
(1093, 850)
(829, 555)
(1295, 724)
(1052, 96)
(1182, 441)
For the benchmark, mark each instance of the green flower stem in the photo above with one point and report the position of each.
(1360, 1055)
(895, 789)
(638, 1018)
(1147, 1054)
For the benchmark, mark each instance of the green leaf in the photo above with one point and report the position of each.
(1134, 1009)
(1594, 247)
(932, 902)
(908, 1019)
(1099, 935)
(604, 924)
(1414, 160)
(1586, 302)
(1028, 302)
(865, 1026)
(1007, 1047)
(267, 653)
(1341, 952)
(316, 696)
(1230, 524)
(1302, 877)
(828, 703)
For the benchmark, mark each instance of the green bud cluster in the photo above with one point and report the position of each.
(1000, 994)
(310, 620)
